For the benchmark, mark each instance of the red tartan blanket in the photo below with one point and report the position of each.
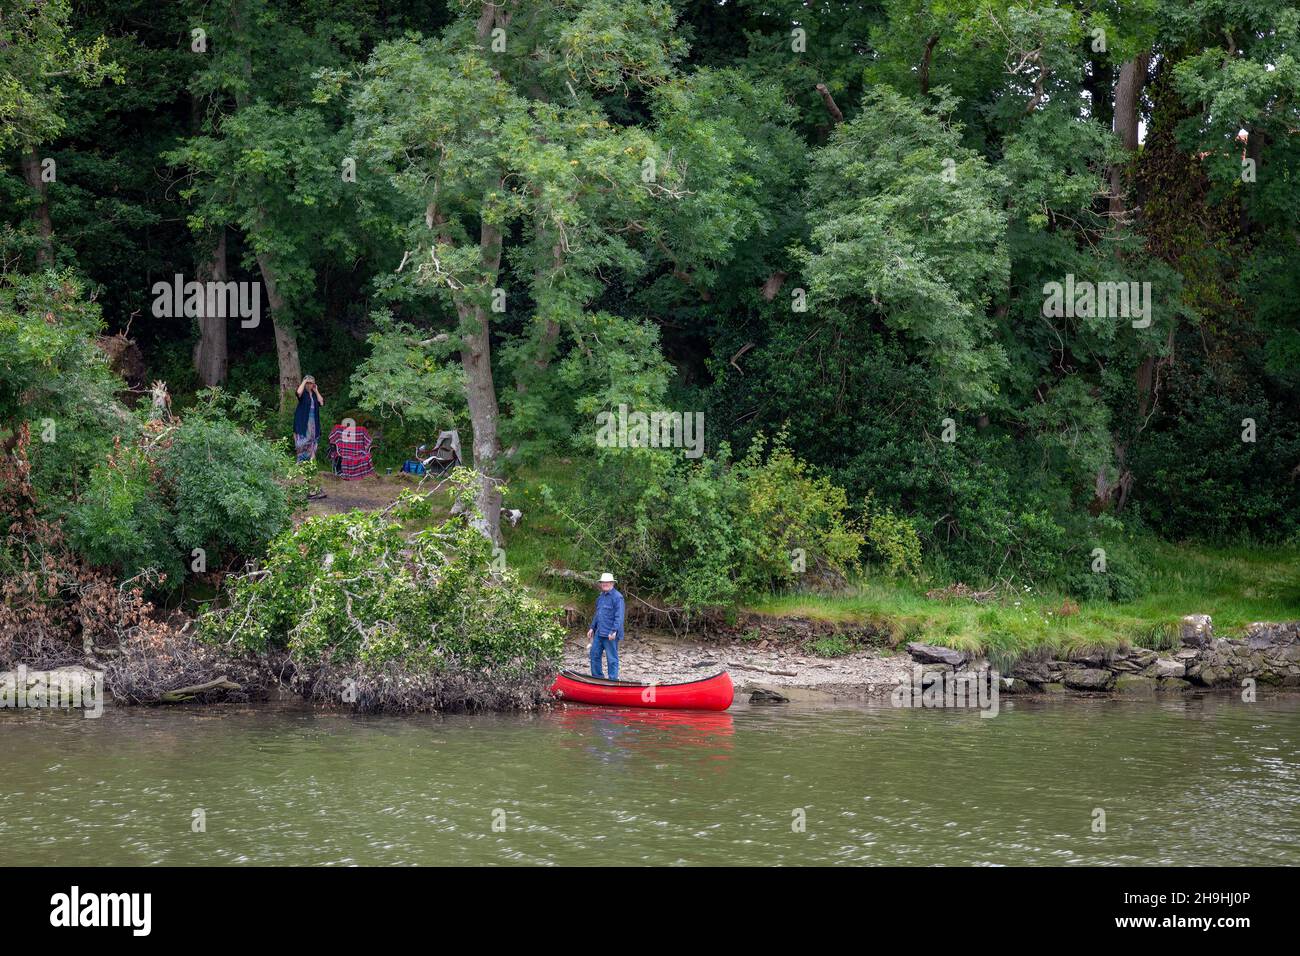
(350, 452)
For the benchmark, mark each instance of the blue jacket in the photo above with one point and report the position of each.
(609, 614)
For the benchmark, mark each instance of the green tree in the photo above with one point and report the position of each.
(38, 53)
(907, 227)
(495, 138)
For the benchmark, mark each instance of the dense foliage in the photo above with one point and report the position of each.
(714, 531)
(356, 587)
(195, 495)
(55, 380)
(838, 222)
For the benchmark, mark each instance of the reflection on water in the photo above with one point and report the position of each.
(622, 734)
(1198, 781)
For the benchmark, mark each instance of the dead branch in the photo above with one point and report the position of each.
(836, 116)
(189, 693)
(743, 349)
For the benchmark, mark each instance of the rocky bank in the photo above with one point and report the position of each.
(1268, 654)
(778, 654)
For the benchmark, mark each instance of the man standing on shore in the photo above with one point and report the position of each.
(606, 627)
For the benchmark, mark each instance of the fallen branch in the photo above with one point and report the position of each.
(745, 348)
(187, 693)
(960, 591)
(761, 670)
(571, 575)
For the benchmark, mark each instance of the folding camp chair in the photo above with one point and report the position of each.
(350, 451)
(442, 456)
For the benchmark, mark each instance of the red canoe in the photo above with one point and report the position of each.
(708, 693)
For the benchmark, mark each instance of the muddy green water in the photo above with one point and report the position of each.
(1208, 780)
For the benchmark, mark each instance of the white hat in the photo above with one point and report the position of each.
(607, 578)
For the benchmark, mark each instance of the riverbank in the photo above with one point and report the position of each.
(1235, 585)
(860, 641)
(782, 655)
(786, 667)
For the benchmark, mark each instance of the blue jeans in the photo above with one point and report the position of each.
(609, 647)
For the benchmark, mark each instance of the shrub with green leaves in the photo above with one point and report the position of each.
(714, 531)
(698, 556)
(230, 491)
(123, 522)
(893, 541)
(359, 588)
(203, 484)
(55, 378)
(792, 519)
(1122, 576)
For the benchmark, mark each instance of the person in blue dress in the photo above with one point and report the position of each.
(306, 420)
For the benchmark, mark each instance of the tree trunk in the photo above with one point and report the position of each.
(1128, 99)
(480, 389)
(923, 72)
(211, 359)
(286, 339)
(476, 347)
(480, 394)
(837, 117)
(41, 214)
(211, 355)
(1099, 82)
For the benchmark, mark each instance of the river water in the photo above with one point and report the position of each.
(1205, 780)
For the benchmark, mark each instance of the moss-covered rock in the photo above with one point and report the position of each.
(1134, 685)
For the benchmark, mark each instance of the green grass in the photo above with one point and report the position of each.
(542, 539)
(1235, 586)
(833, 645)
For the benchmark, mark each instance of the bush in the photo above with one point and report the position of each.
(123, 521)
(893, 541)
(1124, 578)
(710, 532)
(229, 491)
(1005, 501)
(791, 519)
(203, 484)
(55, 379)
(699, 553)
(355, 588)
